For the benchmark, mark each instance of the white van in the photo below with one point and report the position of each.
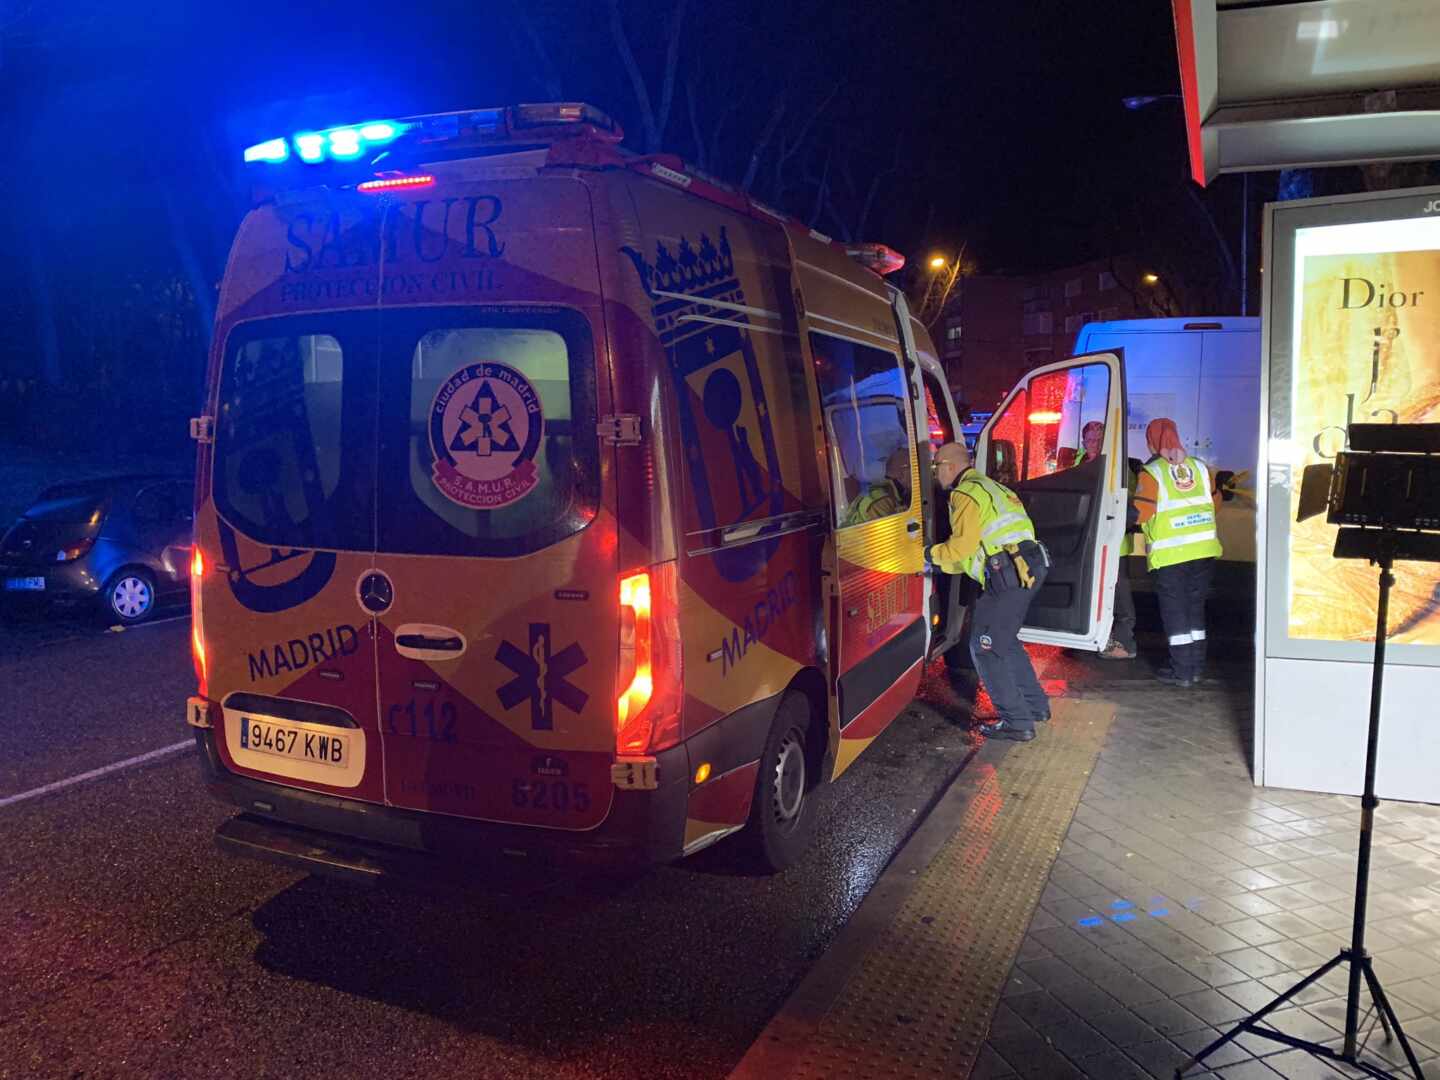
(1203, 373)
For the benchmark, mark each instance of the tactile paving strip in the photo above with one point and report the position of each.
(919, 1003)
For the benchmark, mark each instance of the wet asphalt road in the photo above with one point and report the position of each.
(131, 947)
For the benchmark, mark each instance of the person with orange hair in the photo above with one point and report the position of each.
(1175, 502)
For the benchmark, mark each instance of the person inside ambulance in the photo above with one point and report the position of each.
(1092, 437)
(888, 495)
(1175, 503)
(992, 541)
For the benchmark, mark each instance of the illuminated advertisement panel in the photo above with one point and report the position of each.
(1351, 329)
(1367, 348)
(1354, 337)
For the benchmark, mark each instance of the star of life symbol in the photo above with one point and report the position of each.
(485, 428)
(541, 677)
(480, 421)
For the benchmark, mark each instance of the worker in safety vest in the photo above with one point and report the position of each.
(1176, 502)
(889, 495)
(993, 542)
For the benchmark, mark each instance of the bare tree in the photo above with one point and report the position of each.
(655, 117)
(931, 288)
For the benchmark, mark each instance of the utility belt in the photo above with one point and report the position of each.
(1014, 566)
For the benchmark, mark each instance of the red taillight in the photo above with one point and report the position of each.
(647, 709)
(389, 183)
(197, 625)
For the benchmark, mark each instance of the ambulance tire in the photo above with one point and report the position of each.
(782, 814)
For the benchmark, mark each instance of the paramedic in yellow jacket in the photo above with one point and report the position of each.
(993, 542)
(1176, 500)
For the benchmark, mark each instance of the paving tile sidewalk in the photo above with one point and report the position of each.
(1183, 897)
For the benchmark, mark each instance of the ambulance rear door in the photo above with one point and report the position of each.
(1034, 445)
(497, 640)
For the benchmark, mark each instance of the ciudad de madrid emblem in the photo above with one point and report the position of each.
(1183, 475)
(485, 427)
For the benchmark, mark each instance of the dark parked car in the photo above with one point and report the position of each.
(121, 545)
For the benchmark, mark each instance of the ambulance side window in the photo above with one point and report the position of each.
(864, 397)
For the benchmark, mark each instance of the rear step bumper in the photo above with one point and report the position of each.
(365, 842)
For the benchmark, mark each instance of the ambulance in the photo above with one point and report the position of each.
(562, 503)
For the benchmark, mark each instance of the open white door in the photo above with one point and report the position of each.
(1034, 444)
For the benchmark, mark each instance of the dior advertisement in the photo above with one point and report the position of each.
(1367, 350)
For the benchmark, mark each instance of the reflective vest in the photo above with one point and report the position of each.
(878, 501)
(1003, 519)
(1183, 526)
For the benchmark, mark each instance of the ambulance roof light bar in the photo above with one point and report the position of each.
(877, 257)
(468, 127)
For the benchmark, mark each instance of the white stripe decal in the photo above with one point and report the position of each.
(1180, 639)
(59, 785)
(1197, 635)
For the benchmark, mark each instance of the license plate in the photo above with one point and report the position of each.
(282, 740)
(25, 584)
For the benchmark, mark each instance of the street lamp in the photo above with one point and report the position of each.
(937, 262)
(1150, 279)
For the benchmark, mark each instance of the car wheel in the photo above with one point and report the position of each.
(130, 596)
(782, 816)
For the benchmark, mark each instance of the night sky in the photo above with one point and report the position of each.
(997, 126)
(1007, 114)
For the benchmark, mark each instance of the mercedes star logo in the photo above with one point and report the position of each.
(376, 592)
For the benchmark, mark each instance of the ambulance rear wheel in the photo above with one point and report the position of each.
(782, 816)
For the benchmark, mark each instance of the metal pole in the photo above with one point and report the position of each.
(1368, 802)
(1245, 243)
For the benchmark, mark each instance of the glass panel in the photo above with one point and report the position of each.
(865, 402)
(937, 418)
(1066, 418)
(488, 446)
(1007, 441)
(294, 435)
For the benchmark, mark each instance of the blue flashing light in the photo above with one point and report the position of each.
(310, 146)
(1091, 920)
(270, 150)
(344, 143)
(337, 143)
(379, 132)
(1125, 916)
(1120, 905)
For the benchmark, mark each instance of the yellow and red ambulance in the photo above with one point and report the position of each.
(552, 500)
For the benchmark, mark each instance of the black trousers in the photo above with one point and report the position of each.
(1123, 630)
(1181, 590)
(1001, 660)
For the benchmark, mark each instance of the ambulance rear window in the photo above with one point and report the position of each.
(295, 430)
(487, 430)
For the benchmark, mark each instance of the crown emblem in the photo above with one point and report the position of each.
(688, 269)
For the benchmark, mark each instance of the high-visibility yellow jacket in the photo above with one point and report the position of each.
(1177, 505)
(879, 500)
(984, 517)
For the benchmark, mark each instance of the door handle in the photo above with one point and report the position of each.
(424, 641)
